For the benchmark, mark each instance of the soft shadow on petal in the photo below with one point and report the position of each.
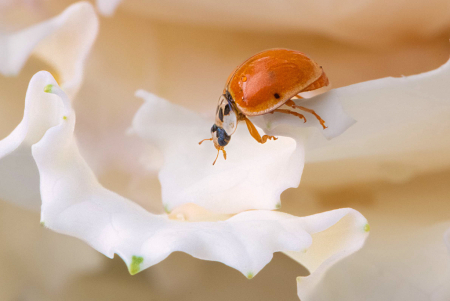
(107, 7)
(20, 178)
(394, 115)
(252, 177)
(402, 131)
(74, 203)
(63, 42)
(328, 108)
(331, 244)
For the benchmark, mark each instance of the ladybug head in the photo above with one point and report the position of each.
(224, 126)
(226, 117)
(219, 136)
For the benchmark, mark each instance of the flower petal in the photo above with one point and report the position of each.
(107, 7)
(401, 122)
(17, 167)
(74, 203)
(413, 268)
(328, 108)
(405, 257)
(252, 177)
(63, 41)
(330, 245)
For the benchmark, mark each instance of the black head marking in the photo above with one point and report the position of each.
(227, 109)
(229, 99)
(222, 137)
(221, 114)
(277, 96)
(214, 128)
(228, 96)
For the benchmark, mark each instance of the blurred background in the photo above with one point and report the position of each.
(184, 51)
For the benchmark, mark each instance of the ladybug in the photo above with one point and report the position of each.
(261, 85)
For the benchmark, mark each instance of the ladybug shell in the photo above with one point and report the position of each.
(268, 79)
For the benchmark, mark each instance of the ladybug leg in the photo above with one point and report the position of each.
(289, 112)
(218, 152)
(292, 104)
(254, 132)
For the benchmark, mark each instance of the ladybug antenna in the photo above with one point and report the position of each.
(205, 140)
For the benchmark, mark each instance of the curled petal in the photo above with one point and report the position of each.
(20, 178)
(63, 42)
(74, 203)
(401, 122)
(330, 245)
(252, 177)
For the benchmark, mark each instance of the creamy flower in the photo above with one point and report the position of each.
(406, 100)
(74, 203)
(252, 177)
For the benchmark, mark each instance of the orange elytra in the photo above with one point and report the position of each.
(261, 85)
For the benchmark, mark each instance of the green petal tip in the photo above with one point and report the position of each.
(48, 88)
(135, 266)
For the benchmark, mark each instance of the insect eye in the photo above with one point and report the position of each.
(227, 109)
(221, 114)
(214, 128)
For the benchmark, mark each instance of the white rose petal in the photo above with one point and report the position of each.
(252, 177)
(394, 116)
(330, 246)
(20, 178)
(328, 108)
(63, 42)
(74, 203)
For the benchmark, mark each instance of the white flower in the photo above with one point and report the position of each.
(402, 100)
(252, 177)
(74, 203)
